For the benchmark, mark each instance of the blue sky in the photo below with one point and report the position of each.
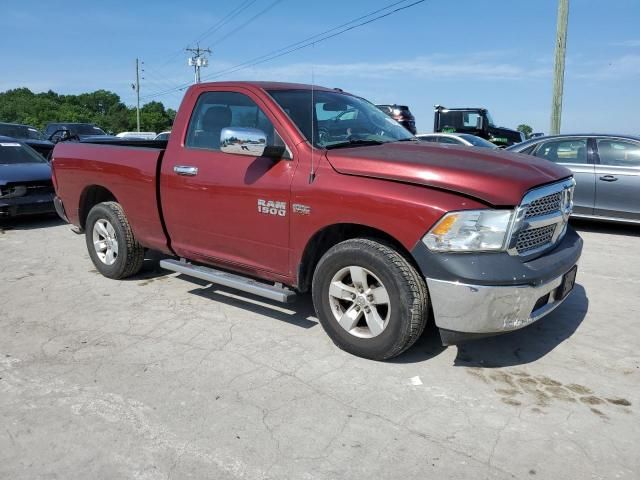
(495, 53)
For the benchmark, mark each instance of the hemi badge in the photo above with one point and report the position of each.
(301, 209)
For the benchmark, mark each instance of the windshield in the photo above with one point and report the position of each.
(75, 129)
(477, 141)
(20, 131)
(338, 119)
(85, 129)
(489, 119)
(13, 153)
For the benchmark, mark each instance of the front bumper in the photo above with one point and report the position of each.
(484, 310)
(477, 295)
(27, 205)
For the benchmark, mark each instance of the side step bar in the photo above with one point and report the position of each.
(238, 282)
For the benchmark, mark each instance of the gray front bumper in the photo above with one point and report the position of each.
(27, 205)
(482, 309)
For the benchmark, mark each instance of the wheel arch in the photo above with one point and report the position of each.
(330, 235)
(90, 197)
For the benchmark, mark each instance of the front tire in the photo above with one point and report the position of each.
(369, 299)
(112, 246)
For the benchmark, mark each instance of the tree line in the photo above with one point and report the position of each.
(103, 108)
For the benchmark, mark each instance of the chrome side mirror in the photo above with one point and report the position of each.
(248, 141)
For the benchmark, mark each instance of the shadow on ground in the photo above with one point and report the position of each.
(30, 222)
(299, 313)
(531, 343)
(515, 348)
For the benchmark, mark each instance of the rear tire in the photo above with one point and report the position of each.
(112, 246)
(369, 299)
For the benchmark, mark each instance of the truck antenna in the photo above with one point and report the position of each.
(312, 173)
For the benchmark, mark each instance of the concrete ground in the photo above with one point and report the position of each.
(161, 378)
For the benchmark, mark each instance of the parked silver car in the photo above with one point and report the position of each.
(465, 139)
(606, 169)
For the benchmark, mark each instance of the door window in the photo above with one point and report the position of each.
(564, 151)
(471, 120)
(618, 153)
(217, 110)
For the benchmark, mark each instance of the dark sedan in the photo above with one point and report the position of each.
(29, 135)
(606, 169)
(25, 180)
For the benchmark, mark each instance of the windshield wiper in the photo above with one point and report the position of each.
(354, 143)
(410, 139)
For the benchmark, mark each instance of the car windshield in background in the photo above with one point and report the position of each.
(338, 119)
(20, 131)
(85, 130)
(12, 153)
(477, 141)
(75, 129)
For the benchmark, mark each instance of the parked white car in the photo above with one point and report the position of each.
(464, 139)
(163, 135)
(142, 135)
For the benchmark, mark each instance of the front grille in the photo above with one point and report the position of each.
(40, 189)
(534, 238)
(25, 189)
(545, 205)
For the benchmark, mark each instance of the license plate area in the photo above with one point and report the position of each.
(567, 284)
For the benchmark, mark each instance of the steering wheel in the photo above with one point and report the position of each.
(63, 135)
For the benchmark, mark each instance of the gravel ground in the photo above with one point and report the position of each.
(160, 377)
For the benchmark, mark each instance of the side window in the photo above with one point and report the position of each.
(618, 153)
(428, 139)
(449, 140)
(217, 110)
(470, 120)
(529, 150)
(564, 151)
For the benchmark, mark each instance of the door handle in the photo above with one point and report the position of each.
(608, 178)
(186, 170)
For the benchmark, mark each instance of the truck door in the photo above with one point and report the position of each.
(227, 208)
(618, 178)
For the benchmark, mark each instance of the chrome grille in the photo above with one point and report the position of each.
(535, 238)
(545, 205)
(541, 219)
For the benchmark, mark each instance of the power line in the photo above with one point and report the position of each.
(240, 27)
(214, 28)
(318, 38)
(310, 43)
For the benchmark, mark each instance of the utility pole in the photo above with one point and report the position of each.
(198, 60)
(136, 87)
(558, 71)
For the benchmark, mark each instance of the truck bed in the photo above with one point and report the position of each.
(127, 168)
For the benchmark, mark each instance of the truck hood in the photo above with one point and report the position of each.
(495, 177)
(24, 172)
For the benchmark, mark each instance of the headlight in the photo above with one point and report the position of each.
(469, 231)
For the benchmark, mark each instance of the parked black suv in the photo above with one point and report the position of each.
(81, 130)
(29, 135)
(401, 114)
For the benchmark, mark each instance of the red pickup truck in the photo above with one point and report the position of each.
(277, 189)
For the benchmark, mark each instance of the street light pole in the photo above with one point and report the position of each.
(138, 94)
(558, 71)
